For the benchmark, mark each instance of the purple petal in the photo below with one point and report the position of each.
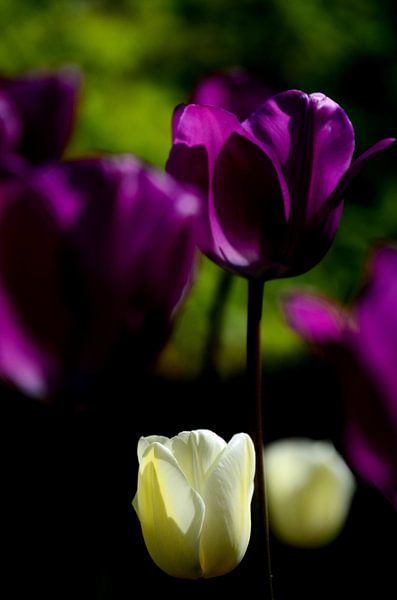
(247, 196)
(314, 142)
(316, 319)
(370, 441)
(198, 139)
(176, 116)
(236, 91)
(22, 362)
(34, 320)
(365, 356)
(10, 125)
(92, 252)
(189, 165)
(203, 126)
(250, 205)
(11, 166)
(306, 246)
(135, 239)
(370, 437)
(372, 392)
(199, 133)
(359, 163)
(45, 105)
(376, 342)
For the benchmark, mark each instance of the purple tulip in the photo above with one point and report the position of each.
(274, 184)
(93, 253)
(236, 91)
(37, 114)
(362, 343)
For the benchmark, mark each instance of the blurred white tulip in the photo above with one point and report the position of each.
(193, 501)
(310, 489)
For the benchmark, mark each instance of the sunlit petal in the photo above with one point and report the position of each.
(227, 498)
(171, 513)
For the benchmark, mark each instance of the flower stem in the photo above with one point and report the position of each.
(254, 376)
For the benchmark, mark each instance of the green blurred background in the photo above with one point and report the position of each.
(141, 58)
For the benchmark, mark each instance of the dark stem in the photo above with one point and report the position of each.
(215, 322)
(254, 376)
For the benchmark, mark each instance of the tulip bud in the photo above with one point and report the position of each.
(310, 489)
(193, 501)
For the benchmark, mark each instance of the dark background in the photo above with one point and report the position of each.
(68, 528)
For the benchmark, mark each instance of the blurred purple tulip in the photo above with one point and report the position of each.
(236, 91)
(362, 344)
(37, 113)
(274, 184)
(93, 253)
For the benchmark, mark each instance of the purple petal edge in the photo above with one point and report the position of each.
(313, 317)
(358, 164)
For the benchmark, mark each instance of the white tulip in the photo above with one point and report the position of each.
(310, 489)
(193, 501)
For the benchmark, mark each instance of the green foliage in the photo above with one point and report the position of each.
(141, 58)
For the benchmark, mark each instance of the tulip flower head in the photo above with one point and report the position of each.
(94, 254)
(235, 90)
(37, 114)
(273, 184)
(193, 501)
(310, 489)
(362, 344)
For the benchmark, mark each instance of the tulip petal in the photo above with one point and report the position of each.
(377, 321)
(316, 319)
(22, 361)
(176, 115)
(10, 125)
(310, 490)
(207, 126)
(171, 513)
(196, 452)
(365, 354)
(199, 136)
(314, 142)
(46, 104)
(308, 245)
(227, 496)
(94, 253)
(371, 439)
(145, 442)
(251, 203)
(333, 148)
(124, 277)
(174, 213)
(359, 163)
(36, 321)
(235, 90)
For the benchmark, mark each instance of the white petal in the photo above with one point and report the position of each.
(144, 443)
(227, 497)
(171, 513)
(196, 453)
(310, 489)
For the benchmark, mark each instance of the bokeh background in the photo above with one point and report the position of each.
(139, 59)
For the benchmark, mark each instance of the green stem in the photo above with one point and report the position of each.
(254, 376)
